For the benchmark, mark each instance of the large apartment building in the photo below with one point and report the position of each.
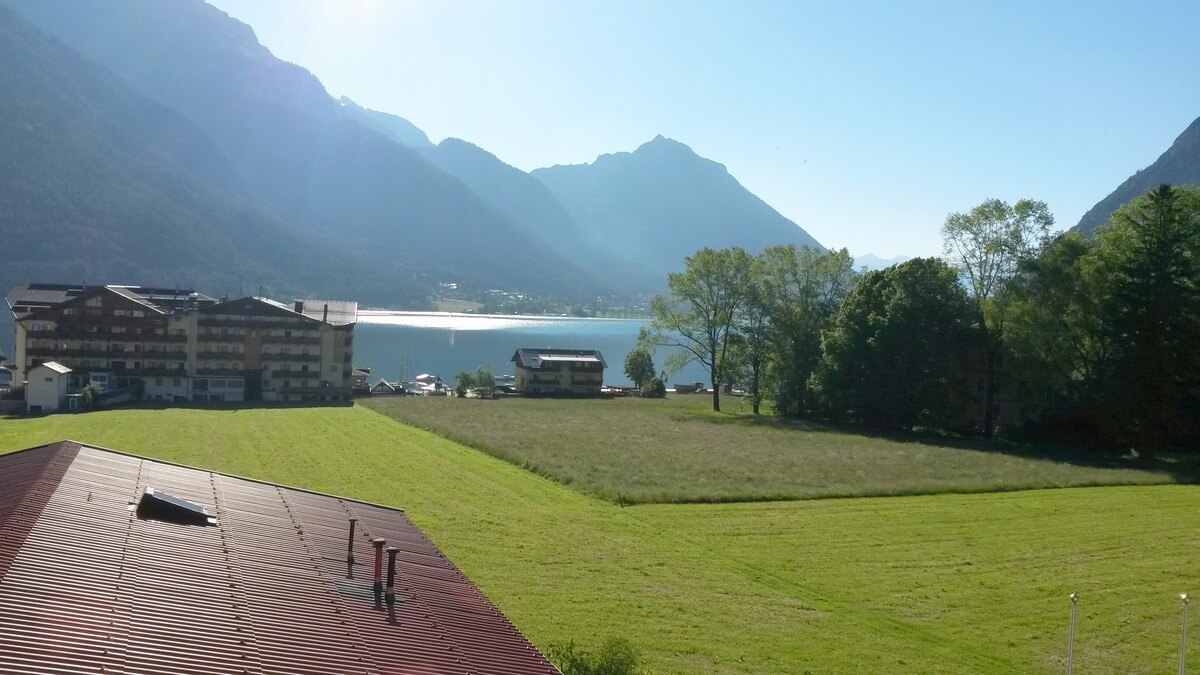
(185, 346)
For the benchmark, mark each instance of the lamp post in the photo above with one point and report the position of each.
(1071, 634)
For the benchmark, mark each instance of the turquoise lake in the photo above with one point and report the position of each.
(442, 343)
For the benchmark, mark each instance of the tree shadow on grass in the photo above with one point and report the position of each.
(1182, 467)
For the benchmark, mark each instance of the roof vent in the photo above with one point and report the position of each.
(155, 505)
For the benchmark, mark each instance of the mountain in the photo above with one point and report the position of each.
(870, 261)
(530, 204)
(1179, 165)
(297, 149)
(662, 202)
(100, 184)
(394, 127)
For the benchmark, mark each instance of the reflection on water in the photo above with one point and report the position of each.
(398, 345)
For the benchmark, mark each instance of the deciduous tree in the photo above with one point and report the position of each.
(699, 311)
(987, 245)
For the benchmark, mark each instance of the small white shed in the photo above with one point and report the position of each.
(46, 387)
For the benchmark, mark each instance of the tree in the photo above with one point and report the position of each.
(639, 366)
(1055, 336)
(987, 245)
(892, 355)
(698, 312)
(1150, 254)
(465, 381)
(756, 327)
(802, 288)
(484, 382)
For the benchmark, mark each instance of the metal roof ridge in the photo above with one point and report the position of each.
(181, 465)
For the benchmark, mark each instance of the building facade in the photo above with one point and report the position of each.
(574, 372)
(183, 346)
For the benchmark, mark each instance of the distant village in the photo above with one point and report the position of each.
(80, 346)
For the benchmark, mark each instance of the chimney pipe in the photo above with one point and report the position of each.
(390, 595)
(378, 544)
(325, 314)
(350, 543)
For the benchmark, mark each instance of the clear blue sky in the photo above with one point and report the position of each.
(866, 123)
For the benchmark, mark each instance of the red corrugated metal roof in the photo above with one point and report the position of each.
(86, 586)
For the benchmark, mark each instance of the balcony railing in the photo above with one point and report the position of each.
(217, 356)
(255, 323)
(303, 358)
(105, 354)
(295, 374)
(78, 333)
(221, 372)
(294, 340)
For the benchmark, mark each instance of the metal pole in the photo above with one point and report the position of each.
(1183, 635)
(1071, 634)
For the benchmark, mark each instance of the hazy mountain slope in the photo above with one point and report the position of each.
(662, 202)
(1179, 165)
(871, 261)
(292, 145)
(100, 184)
(528, 202)
(393, 126)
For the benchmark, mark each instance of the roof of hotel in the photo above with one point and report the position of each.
(89, 585)
(27, 298)
(340, 312)
(533, 358)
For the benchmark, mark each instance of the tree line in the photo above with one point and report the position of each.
(1059, 337)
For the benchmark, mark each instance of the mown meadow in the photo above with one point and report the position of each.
(677, 449)
(936, 583)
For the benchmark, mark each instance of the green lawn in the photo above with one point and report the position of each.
(949, 583)
(678, 450)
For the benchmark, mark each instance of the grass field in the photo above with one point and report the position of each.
(948, 583)
(678, 450)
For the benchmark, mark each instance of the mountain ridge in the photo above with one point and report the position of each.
(1178, 165)
(662, 201)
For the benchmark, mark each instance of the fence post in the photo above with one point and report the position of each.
(1184, 599)
(1071, 634)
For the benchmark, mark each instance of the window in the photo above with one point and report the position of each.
(138, 312)
(68, 311)
(266, 350)
(120, 312)
(118, 329)
(285, 350)
(95, 302)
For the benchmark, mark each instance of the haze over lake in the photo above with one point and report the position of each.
(443, 343)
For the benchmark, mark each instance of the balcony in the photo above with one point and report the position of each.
(295, 374)
(293, 358)
(217, 337)
(221, 372)
(284, 340)
(217, 356)
(105, 354)
(254, 322)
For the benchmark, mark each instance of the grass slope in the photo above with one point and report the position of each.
(954, 583)
(678, 450)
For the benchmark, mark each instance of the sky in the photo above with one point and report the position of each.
(865, 123)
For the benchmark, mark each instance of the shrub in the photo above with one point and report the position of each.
(655, 388)
(615, 657)
(91, 393)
